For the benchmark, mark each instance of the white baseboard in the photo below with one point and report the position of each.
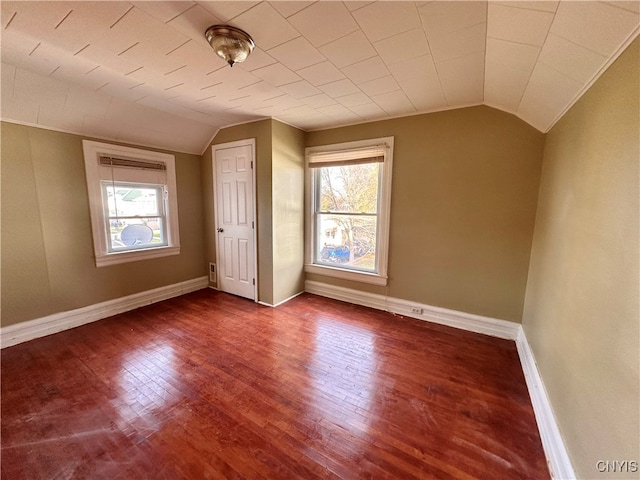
(40, 327)
(554, 448)
(443, 316)
(282, 301)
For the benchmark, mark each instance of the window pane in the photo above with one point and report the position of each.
(130, 200)
(126, 234)
(350, 189)
(135, 216)
(347, 241)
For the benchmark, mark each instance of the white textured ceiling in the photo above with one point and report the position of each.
(142, 72)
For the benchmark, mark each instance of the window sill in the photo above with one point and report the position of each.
(362, 277)
(135, 256)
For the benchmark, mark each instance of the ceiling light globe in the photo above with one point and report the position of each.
(230, 43)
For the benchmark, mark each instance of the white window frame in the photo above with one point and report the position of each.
(379, 277)
(92, 153)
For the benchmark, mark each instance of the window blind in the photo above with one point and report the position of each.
(371, 154)
(119, 169)
(128, 163)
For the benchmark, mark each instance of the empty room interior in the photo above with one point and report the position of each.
(291, 239)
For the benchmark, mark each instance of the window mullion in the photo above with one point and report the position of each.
(351, 214)
(133, 217)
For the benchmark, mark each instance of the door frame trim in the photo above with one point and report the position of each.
(224, 146)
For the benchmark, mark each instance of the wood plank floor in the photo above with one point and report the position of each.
(211, 386)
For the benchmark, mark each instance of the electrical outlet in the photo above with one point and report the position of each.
(417, 310)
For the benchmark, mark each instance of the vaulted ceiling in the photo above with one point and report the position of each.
(142, 72)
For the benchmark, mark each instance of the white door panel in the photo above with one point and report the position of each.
(234, 206)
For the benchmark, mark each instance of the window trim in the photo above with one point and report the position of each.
(103, 257)
(382, 242)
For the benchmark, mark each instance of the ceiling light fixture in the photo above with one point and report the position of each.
(230, 43)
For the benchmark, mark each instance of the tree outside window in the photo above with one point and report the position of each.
(348, 203)
(347, 215)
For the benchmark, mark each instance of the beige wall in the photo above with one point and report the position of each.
(465, 186)
(208, 208)
(261, 132)
(47, 247)
(279, 190)
(581, 313)
(288, 211)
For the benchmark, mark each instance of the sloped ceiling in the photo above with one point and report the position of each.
(142, 72)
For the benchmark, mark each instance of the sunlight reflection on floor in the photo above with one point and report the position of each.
(344, 366)
(146, 390)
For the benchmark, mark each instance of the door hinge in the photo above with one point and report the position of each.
(251, 164)
(254, 281)
(253, 225)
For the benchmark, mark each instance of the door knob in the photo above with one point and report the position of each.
(220, 230)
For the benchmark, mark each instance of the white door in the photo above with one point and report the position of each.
(234, 220)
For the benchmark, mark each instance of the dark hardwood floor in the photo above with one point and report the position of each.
(212, 386)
